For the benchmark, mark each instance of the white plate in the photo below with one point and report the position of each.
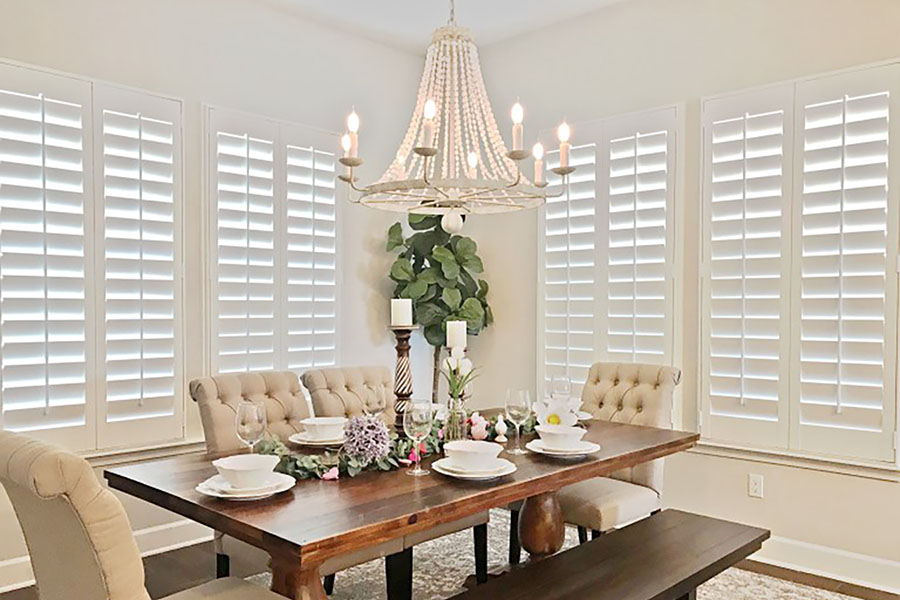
(499, 465)
(441, 467)
(304, 440)
(581, 449)
(286, 482)
(220, 484)
(583, 415)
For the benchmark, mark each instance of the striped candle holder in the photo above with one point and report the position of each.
(403, 387)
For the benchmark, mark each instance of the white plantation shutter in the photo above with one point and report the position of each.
(45, 186)
(275, 242)
(243, 181)
(310, 266)
(845, 301)
(746, 257)
(637, 191)
(606, 261)
(137, 138)
(568, 270)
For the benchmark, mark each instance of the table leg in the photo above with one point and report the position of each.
(296, 580)
(541, 527)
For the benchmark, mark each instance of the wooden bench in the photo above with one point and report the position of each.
(663, 557)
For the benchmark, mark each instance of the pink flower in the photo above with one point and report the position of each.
(331, 474)
(422, 448)
(479, 431)
(413, 457)
(440, 434)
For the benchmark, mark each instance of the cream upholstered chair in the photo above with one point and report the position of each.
(78, 535)
(622, 393)
(352, 391)
(286, 406)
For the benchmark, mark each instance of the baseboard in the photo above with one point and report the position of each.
(859, 569)
(16, 572)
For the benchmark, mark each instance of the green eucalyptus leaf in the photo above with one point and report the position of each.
(430, 313)
(402, 270)
(434, 335)
(443, 255)
(465, 247)
(488, 315)
(472, 311)
(468, 283)
(429, 275)
(482, 290)
(451, 298)
(472, 263)
(423, 222)
(395, 237)
(431, 294)
(416, 289)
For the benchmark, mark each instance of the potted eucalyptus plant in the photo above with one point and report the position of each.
(439, 272)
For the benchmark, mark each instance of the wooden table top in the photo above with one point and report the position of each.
(319, 519)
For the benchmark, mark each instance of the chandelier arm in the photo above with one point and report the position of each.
(428, 183)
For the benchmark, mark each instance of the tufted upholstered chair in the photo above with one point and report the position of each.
(351, 391)
(78, 535)
(622, 393)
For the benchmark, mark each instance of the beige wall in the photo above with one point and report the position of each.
(643, 54)
(248, 56)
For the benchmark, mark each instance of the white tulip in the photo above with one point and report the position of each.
(458, 352)
(451, 363)
(465, 367)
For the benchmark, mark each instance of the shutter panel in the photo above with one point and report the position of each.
(45, 187)
(746, 183)
(568, 270)
(310, 277)
(243, 181)
(637, 191)
(846, 249)
(139, 165)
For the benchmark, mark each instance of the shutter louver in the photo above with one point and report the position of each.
(846, 301)
(311, 263)
(44, 197)
(140, 175)
(745, 292)
(245, 196)
(569, 270)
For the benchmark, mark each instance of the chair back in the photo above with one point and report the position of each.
(351, 391)
(78, 535)
(636, 394)
(218, 398)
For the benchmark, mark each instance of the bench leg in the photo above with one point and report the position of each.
(328, 584)
(692, 595)
(398, 569)
(595, 534)
(515, 548)
(223, 561)
(481, 553)
(582, 535)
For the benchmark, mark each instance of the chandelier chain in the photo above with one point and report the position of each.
(452, 20)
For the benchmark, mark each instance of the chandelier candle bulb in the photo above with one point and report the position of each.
(428, 113)
(401, 312)
(538, 153)
(456, 334)
(353, 128)
(518, 115)
(563, 133)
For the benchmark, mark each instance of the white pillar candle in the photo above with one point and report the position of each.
(401, 312)
(456, 334)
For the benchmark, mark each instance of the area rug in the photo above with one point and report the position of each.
(440, 567)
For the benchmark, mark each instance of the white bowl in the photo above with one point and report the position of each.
(324, 428)
(245, 471)
(472, 455)
(561, 437)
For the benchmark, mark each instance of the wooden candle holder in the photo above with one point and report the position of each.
(403, 388)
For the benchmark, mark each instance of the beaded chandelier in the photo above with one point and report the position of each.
(453, 160)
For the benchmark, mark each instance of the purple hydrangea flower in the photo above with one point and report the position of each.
(367, 439)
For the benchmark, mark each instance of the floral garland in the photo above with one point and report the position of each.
(370, 446)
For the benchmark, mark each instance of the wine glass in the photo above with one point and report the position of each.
(250, 422)
(417, 421)
(518, 409)
(560, 387)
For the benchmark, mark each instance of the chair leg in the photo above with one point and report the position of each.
(515, 548)
(595, 534)
(398, 570)
(582, 535)
(328, 584)
(480, 533)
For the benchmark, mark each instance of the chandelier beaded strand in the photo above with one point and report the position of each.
(452, 159)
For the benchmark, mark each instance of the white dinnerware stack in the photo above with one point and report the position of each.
(320, 431)
(473, 460)
(561, 441)
(246, 477)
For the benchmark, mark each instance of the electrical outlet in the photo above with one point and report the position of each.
(755, 485)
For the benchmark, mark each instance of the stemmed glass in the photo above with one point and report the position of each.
(250, 422)
(518, 409)
(417, 421)
(560, 387)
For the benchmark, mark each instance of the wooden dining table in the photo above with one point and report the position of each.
(318, 519)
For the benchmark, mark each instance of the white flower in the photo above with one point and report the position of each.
(465, 366)
(557, 412)
(451, 363)
(458, 352)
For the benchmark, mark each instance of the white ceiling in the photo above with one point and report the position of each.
(407, 24)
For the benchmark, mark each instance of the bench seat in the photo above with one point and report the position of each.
(663, 557)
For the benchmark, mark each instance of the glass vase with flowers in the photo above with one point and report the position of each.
(459, 373)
